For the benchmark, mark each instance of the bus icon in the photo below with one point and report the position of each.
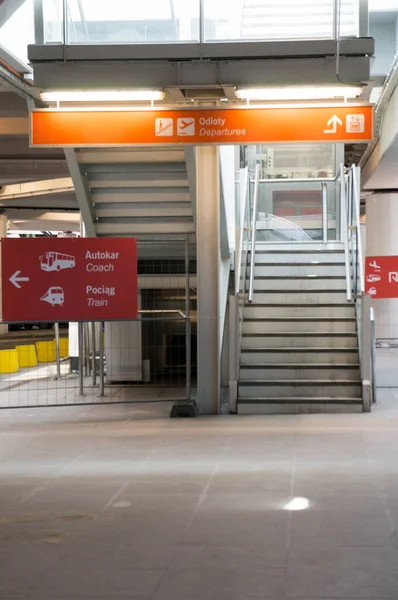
(54, 296)
(54, 261)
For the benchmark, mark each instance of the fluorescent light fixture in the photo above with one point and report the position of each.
(297, 504)
(298, 93)
(102, 96)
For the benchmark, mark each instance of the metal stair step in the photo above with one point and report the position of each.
(300, 387)
(140, 195)
(298, 405)
(275, 355)
(299, 340)
(298, 256)
(299, 310)
(300, 297)
(298, 324)
(299, 269)
(305, 371)
(298, 284)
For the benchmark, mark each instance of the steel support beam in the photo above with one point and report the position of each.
(210, 50)
(32, 169)
(13, 62)
(208, 274)
(200, 73)
(21, 88)
(14, 126)
(82, 192)
(47, 222)
(39, 188)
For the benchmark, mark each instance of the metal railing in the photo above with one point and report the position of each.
(243, 222)
(345, 218)
(327, 213)
(253, 233)
(373, 354)
(355, 280)
(240, 225)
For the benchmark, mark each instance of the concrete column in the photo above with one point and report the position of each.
(208, 273)
(3, 234)
(382, 240)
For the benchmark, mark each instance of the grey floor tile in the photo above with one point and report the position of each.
(224, 583)
(85, 580)
(229, 557)
(340, 582)
(239, 529)
(117, 502)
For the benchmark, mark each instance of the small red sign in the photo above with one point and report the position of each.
(69, 279)
(381, 276)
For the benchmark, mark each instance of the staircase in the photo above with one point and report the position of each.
(299, 351)
(145, 192)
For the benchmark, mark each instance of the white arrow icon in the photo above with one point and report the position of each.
(333, 122)
(15, 279)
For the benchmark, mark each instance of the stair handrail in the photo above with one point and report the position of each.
(344, 230)
(373, 354)
(244, 175)
(351, 236)
(253, 232)
(357, 208)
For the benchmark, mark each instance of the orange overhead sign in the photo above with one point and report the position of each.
(211, 126)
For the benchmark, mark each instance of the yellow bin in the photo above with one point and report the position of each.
(27, 356)
(63, 347)
(46, 351)
(9, 361)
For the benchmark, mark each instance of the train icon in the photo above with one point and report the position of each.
(54, 296)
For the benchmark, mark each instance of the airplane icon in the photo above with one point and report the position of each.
(186, 126)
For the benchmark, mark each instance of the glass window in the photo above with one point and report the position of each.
(18, 32)
(150, 21)
(292, 161)
(281, 20)
(378, 5)
(154, 21)
(53, 21)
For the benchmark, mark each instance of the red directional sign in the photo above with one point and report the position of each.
(381, 276)
(69, 279)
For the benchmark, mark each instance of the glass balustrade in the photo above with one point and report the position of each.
(297, 192)
(171, 21)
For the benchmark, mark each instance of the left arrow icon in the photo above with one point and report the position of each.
(15, 279)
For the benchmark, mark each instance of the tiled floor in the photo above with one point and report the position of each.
(119, 502)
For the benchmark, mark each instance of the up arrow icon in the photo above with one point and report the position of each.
(332, 124)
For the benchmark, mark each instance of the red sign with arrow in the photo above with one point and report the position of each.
(381, 276)
(69, 279)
